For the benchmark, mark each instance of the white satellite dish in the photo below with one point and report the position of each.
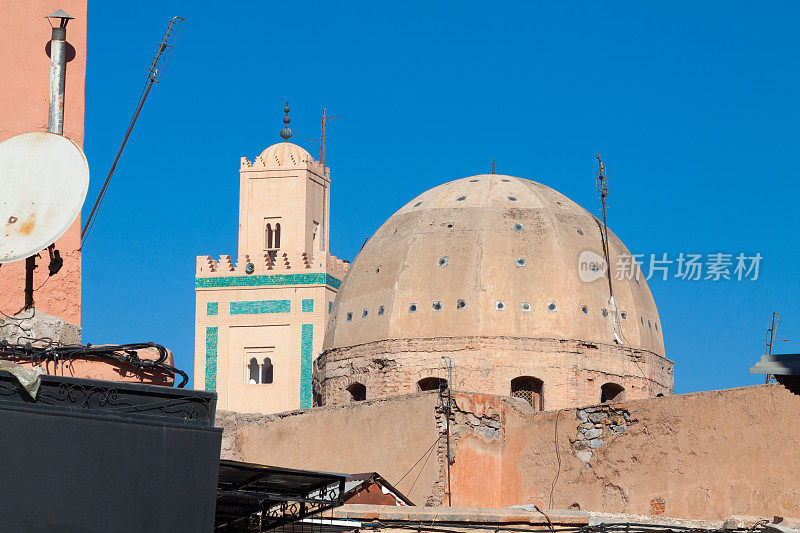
(44, 178)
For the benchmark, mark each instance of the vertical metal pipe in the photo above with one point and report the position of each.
(58, 74)
(55, 120)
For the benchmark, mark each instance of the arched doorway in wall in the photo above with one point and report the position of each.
(358, 392)
(612, 392)
(529, 389)
(432, 384)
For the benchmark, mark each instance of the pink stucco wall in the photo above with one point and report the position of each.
(704, 455)
(24, 82)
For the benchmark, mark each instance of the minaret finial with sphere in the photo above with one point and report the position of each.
(286, 133)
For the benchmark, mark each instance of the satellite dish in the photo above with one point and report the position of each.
(44, 178)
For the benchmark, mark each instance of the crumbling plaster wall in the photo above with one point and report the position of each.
(703, 455)
(397, 437)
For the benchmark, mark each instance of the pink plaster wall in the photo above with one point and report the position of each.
(704, 455)
(24, 83)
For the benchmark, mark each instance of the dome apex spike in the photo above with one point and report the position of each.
(286, 133)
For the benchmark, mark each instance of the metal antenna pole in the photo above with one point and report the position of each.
(55, 111)
(325, 119)
(603, 188)
(157, 67)
(772, 332)
(447, 419)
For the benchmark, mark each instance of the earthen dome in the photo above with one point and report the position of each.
(485, 270)
(284, 154)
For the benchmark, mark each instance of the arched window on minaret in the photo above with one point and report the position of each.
(268, 236)
(278, 235)
(253, 371)
(266, 371)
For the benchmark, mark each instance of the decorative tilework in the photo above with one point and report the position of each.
(212, 308)
(260, 307)
(306, 348)
(308, 305)
(211, 358)
(330, 306)
(319, 278)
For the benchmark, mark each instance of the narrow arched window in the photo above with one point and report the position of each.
(252, 371)
(612, 392)
(278, 235)
(268, 236)
(358, 392)
(432, 384)
(266, 371)
(529, 389)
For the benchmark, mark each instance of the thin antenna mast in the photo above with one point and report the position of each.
(602, 187)
(447, 410)
(325, 119)
(772, 332)
(157, 67)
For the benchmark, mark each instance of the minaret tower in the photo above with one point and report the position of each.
(283, 200)
(260, 320)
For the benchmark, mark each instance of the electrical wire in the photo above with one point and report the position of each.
(421, 470)
(20, 318)
(558, 472)
(48, 350)
(549, 523)
(17, 320)
(424, 455)
(153, 75)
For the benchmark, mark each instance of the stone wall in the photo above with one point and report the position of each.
(572, 371)
(704, 455)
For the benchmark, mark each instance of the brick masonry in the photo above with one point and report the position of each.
(572, 371)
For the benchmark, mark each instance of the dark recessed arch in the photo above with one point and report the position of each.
(612, 392)
(358, 392)
(432, 383)
(529, 389)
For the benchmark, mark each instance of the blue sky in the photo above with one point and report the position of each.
(693, 105)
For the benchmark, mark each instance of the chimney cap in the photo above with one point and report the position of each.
(60, 14)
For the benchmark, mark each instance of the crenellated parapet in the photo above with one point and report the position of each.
(271, 263)
(284, 156)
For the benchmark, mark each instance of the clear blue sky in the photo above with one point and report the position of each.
(693, 105)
